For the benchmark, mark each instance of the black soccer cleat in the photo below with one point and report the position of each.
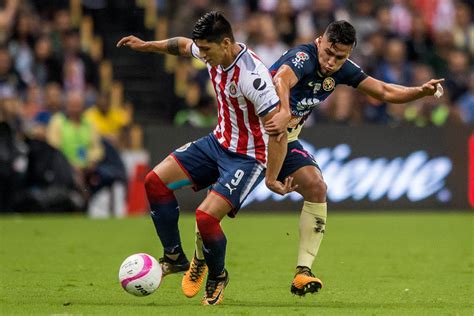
(169, 266)
(215, 290)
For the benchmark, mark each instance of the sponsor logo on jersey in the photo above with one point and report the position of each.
(259, 84)
(315, 85)
(329, 84)
(307, 103)
(299, 59)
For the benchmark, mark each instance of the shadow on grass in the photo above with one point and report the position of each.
(292, 305)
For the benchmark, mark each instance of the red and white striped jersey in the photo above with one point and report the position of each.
(244, 91)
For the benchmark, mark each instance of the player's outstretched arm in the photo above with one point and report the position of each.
(175, 46)
(393, 93)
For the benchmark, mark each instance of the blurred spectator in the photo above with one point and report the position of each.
(12, 164)
(400, 18)
(426, 111)
(30, 108)
(52, 104)
(187, 11)
(370, 53)
(108, 120)
(457, 77)
(45, 67)
(443, 19)
(384, 21)
(443, 44)
(252, 30)
(270, 48)
(10, 81)
(20, 46)
(79, 70)
(463, 30)
(419, 43)
(61, 24)
(393, 69)
(466, 102)
(72, 134)
(201, 109)
(285, 21)
(363, 19)
(312, 23)
(8, 9)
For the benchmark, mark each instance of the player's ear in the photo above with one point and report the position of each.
(318, 40)
(226, 42)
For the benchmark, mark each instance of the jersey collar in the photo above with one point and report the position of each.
(244, 49)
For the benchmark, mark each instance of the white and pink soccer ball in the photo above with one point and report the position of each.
(140, 274)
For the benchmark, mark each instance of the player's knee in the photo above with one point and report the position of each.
(156, 189)
(316, 190)
(209, 226)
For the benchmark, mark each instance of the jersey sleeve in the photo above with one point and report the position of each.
(258, 88)
(353, 74)
(195, 52)
(299, 61)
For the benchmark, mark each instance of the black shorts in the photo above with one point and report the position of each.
(296, 158)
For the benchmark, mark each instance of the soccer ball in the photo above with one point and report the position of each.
(140, 274)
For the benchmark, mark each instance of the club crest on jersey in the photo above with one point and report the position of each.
(259, 84)
(233, 89)
(299, 59)
(329, 84)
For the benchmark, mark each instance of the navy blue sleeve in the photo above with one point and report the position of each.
(353, 74)
(299, 61)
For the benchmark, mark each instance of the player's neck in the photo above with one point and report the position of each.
(235, 49)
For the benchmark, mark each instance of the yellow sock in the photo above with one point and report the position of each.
(198, 245)
(312, 226)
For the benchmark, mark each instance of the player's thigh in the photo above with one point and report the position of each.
(170, 171)
(215, 205)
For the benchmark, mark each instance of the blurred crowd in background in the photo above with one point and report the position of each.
(58, 92)
(405, 42)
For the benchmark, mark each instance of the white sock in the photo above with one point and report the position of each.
(198, 245)
(311, 229)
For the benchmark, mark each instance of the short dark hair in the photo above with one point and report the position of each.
(212, 27)
(341, 32)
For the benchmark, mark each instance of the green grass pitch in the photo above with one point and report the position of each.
(374, 263)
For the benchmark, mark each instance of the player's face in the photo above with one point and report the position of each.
(331, 56)
(214, 53)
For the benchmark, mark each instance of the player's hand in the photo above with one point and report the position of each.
(431, 87)
(133, 42)
(281, 188)
(278, 123)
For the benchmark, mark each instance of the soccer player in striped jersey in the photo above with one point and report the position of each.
(231, 160)
(304, 77)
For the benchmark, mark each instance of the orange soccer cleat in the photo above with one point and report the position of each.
(193, 278)
(305, 282)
